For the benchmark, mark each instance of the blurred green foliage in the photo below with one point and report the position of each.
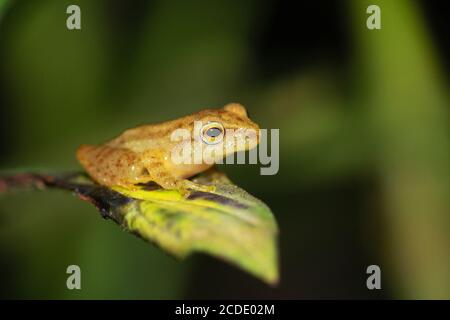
(363, 147)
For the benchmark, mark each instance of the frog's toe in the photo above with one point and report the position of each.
(198, 187)
(185, 193)
(207, 188)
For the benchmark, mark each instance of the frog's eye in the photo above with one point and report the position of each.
(212, 133)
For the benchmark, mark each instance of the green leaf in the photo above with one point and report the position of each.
(228, 223)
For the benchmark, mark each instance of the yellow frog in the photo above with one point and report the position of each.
(144, 153)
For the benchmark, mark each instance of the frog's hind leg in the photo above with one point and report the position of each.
(111, 166)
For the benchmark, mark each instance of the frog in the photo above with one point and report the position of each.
(144, 154)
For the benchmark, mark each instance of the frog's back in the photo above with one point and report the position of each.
(158, 131)
(162, 131)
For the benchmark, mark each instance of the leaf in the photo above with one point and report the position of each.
(228, 223)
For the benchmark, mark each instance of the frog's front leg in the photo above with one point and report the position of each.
(168, 181)
(158, 173)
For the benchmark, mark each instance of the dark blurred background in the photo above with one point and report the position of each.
(364, 154)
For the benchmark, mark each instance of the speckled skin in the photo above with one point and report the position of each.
(143, 154)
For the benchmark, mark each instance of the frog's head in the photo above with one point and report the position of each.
(228, 128)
